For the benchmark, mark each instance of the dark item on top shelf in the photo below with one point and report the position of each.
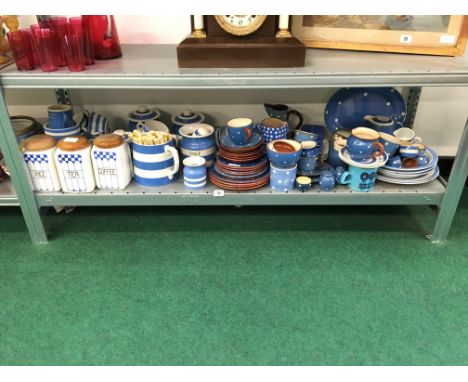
(106, 44)
(239, 41)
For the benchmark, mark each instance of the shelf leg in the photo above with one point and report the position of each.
(412, 105)
(19, 178)
(453, 192)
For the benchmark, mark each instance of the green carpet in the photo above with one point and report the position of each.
(229, 286)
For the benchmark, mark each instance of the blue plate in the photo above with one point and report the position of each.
(235, 165)
(255, 139)
(433, 159)
(347, 108)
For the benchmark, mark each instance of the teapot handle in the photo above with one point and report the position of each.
(299, 116)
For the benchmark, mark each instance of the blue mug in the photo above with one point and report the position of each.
(364, 144)
(194, 172)
(60, 116)
(239, 130)
(391, 144)
(273, 129)
(359, 179)
(409, 150)
(282, 179)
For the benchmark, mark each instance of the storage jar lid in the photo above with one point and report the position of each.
(108, 141)
(39, 142)
(143, 113)
(73, 143)
(186, 117)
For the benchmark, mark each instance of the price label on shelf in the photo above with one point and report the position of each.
(218, 193)
(406, 39)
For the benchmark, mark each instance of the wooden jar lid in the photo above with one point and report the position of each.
(39, 142)
(73, 143)
(108, 141)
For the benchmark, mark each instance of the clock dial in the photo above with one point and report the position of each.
(240, 25)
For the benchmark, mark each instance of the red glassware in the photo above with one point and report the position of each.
(59, 25)
(72, 43)
(47, 47)
(77, 24)
(22, 48)
(104, 36)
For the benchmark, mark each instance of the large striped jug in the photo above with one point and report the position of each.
(155, 165)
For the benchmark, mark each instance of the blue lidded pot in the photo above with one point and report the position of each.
(142, 114)
(198, 141)
(327, 181)
(186, 117)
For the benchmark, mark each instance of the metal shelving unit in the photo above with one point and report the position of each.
(155, 67)
(7, 194)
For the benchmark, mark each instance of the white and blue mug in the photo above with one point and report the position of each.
(194, 172)
(239, 130)
(359, 179)
(60, 116)
(97, 125)
(155, 165)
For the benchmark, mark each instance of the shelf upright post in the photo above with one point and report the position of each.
(19, 178)
(453, 192)
(412, 105)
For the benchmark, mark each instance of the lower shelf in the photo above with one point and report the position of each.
(176, 194)
(7, 194)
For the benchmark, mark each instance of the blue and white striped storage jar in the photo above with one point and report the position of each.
(155, 165)
(198, 141)
(194, 172)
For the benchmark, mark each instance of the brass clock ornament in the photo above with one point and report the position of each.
(240, 41)
(240, 25)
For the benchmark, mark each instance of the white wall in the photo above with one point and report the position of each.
(440, 120)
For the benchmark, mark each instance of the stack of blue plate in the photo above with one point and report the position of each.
(411, 176)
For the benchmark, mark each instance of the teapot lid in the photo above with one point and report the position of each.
(187, 116)
(143, 113)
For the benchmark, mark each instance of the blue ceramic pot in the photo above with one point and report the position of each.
(155, 165)
(303, 183)
(327, 181)
(142, 114)
(284, 159)
(193, 145)
(186, 117)
(194, 172)
(359, 179)
(282, 179)
(394, 161)
(422, 158)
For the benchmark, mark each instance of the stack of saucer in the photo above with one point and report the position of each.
(411, 176)
(240, 168)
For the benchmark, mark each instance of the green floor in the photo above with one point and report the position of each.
(228, 286)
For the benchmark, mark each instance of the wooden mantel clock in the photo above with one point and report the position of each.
(240, 41)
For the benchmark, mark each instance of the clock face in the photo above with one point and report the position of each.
(240, 25)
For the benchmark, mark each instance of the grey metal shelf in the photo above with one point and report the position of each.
(176, 194)
(155, 66)
(8, 195)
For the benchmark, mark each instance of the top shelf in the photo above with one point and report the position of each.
(155, 66)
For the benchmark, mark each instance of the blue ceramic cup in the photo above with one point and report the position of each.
(394, 161)
(282, 179)
(409, 151)
(339, 171)
(359, 179)
(239, 130)
(390, 142)
(60, 116)
(303, 183)
(364, 144)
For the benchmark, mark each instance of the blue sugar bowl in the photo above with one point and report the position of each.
(327, 181)
(186, 117)
(141, 115)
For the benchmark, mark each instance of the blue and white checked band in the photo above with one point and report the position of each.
(69, 158)
(105, 155)
(36, 158)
